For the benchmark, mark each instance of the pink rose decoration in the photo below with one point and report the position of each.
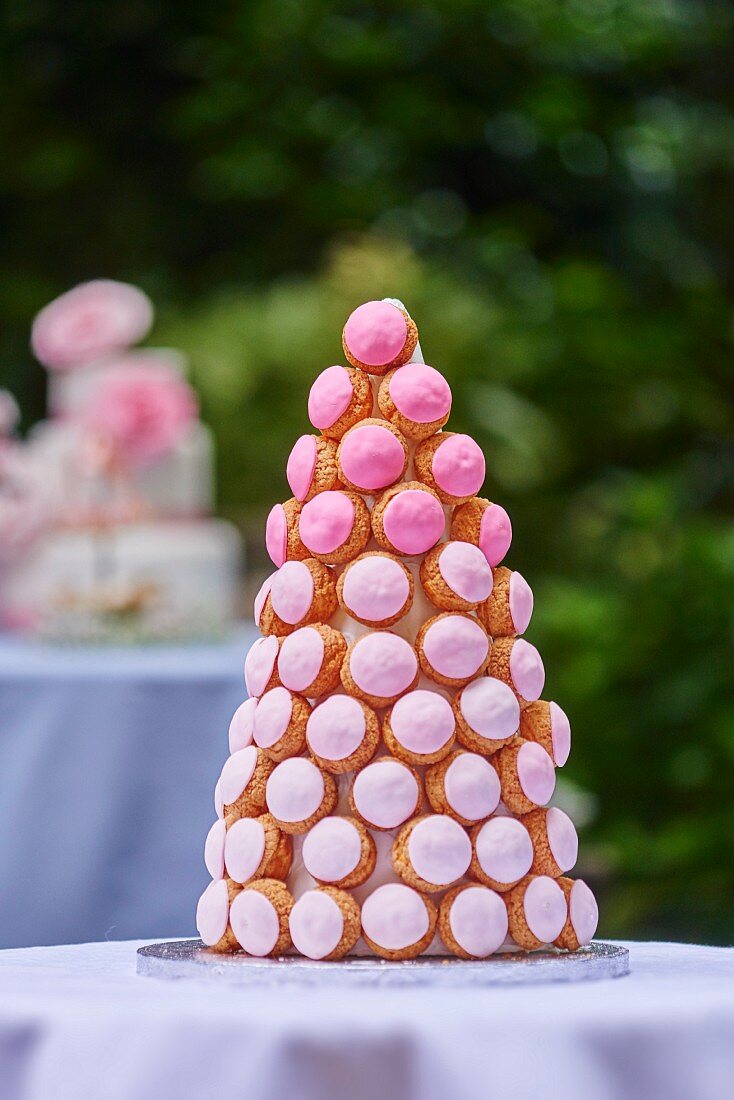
(143, 411)
(89, 322)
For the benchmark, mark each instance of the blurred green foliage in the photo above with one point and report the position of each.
(548, 187)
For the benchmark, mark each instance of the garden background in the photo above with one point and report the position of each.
(549, 187)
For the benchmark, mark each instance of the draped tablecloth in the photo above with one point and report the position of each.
(77, 1022)
(109, 758)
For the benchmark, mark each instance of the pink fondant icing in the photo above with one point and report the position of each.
(420, 393)
(254, 922)
(244, 848)
(326, 522)
(422, 721)
(262, 595)
(583, 911)
(301, 465)
(300, 658)
(383, 664)
(478, 921)
(375, 588)
(562, 838)
(331, 849)
(375, 333)
(237, 773)
(560, 734)
(526, 670)
(504, 849)
(472, 786)
(521, 602)
(413, 521)
(291, 593)
(371, 457)
(316, 924)
(259, 664)
(272, 717)
(212, 913)
(295, 790)
(240, 728)
(336, 728)
(439, 850)
(545, 908)
(495, 534)
(490, 708)
(385, 793)
(456, 646)
(329, 397)
(214, 849)
(458, 466)
(466, 571)
(276, 535)
(536, 772)
(218, 800)
(395, 917)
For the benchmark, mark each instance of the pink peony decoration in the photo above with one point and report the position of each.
(141, 411)
(89, 322)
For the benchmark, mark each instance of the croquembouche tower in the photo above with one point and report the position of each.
(387, 788)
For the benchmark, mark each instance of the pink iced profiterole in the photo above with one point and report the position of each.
(334, 527)
(372, 455)
(389, 780)
(487, 715)
(519, 665)
(312, 467)
(509, 607)
(453, 648)
(452, 464)
(465, 786)
(502, 852)
(432, 852)
(486, 525)
(398, 922)
(472, 921)
(342, 734)
(378, 336)
(379, 668)
(339, 398)
(298, 593)
(282, 540)
(420, 727)
(416, 399)
(456, 576)
(527, 776)
(537, 911)
(547, 724)
(376, 589)
(583, 915)
(408, 519)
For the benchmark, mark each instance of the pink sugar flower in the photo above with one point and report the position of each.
(89, 322)
(143, 410)
(9, 414)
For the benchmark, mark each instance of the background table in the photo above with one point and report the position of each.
(109, 759)
(77, 1022)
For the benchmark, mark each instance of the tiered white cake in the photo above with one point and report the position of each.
(134, 553)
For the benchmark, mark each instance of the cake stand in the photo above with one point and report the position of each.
(190, 959)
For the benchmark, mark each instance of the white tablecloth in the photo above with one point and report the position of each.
(77, 1023)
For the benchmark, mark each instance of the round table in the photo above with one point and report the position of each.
(77, 1022)
(109, 759)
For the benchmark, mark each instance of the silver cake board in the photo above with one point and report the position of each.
(190, 959)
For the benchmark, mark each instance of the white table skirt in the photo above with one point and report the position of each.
(77, 1022)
